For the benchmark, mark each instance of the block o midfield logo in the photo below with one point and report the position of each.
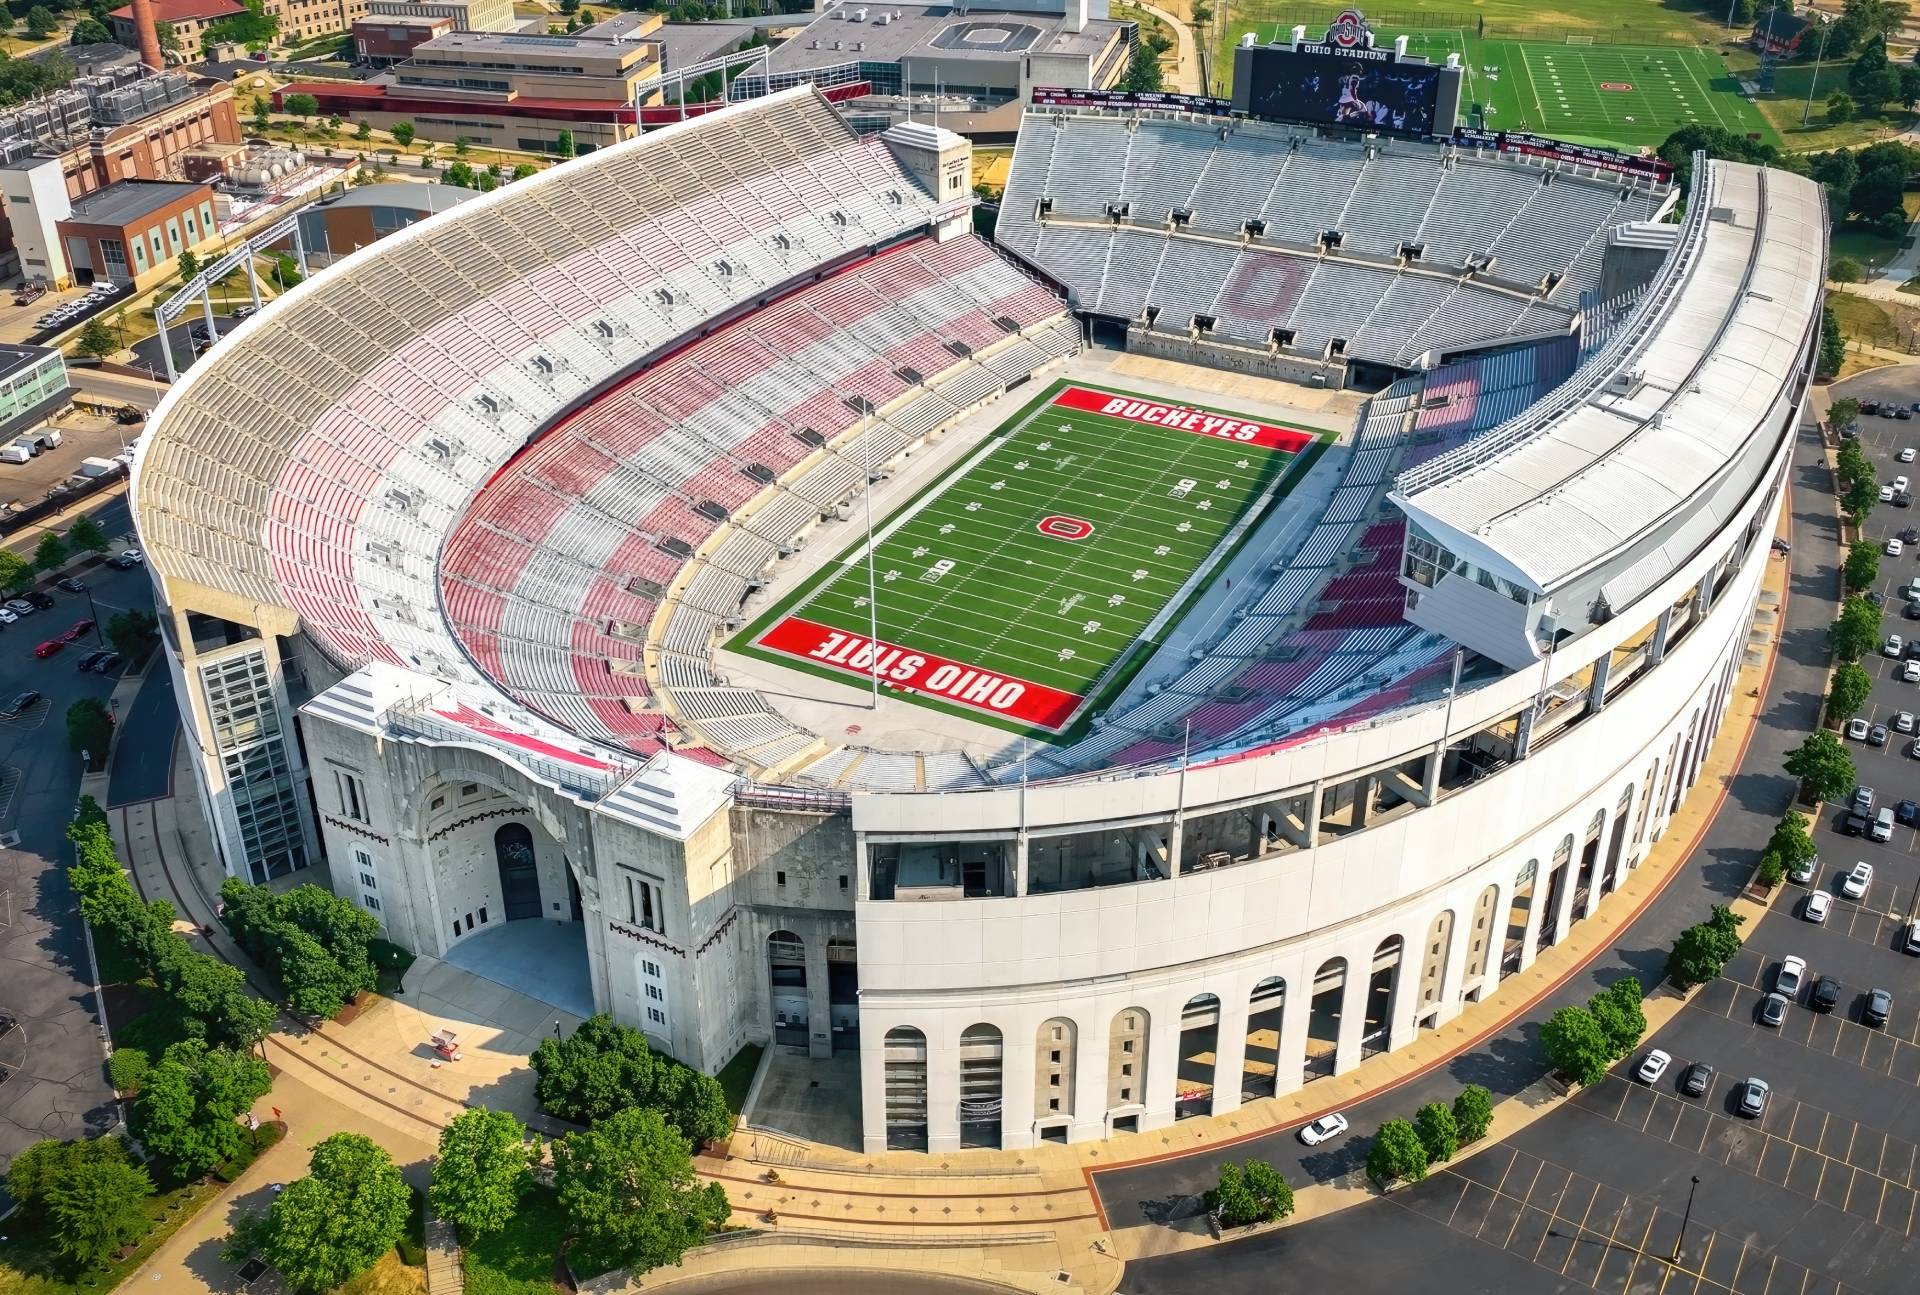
(1059, 527)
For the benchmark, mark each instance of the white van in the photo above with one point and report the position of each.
(1882, 826)
(15, 454)
(47, 438)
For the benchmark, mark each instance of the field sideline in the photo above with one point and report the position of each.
(1030, 579)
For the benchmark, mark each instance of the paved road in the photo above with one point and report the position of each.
(1397, 1244)
(57, 1084)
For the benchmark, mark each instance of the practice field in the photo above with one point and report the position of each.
(1627, 96)
(1031, 577)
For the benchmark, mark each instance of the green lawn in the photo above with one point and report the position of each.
(1017, 586)
(519, 1259)
(736, 1077)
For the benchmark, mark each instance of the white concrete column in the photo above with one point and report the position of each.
(943, 1085)
(1353, 1010)
(1562, 917)
(1290, 1061)
(873, 1087)
(1091, 1038)
(1405, 1000)
(1536, 914)
(1163, 1058)
(1229, 1047)
(1017, 1066)
(1453, 976)
(819, 1000)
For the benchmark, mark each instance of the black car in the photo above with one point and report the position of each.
(1903, 413)
(1902, 498)
(106, 663)
(72, 584)
(1907, 812)
(39, 598)
(21, 702)
(1697, 1079)
(1876, 1009)
(127, 562)
(1877, 598)
(1825, 996)
(1855, 825)
(128, 415)
(1869, 406)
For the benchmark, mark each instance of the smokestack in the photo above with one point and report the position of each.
(143, 24)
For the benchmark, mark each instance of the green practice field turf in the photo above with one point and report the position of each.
(1020, 584)
(1623, 96)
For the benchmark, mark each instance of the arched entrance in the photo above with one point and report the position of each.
(1323, 1020)
(519, 871)
(905, 1064)
(982, 1055)
(843, 992)
(787, 979)
(1260, 1069)
(1383, 987)
(1199, 1050)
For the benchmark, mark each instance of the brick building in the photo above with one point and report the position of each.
(134, 231)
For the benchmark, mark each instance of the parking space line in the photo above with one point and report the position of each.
(1465, 1185)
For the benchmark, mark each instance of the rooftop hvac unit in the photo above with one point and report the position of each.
(859, 15)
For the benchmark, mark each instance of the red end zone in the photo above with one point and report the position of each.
(1183, 419)
(906, 670)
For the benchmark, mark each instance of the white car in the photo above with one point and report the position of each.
(1857, 729)
(1324, 1129)
(1899, 484)
(1894, 548)
(1903, 721)
(1787, 981)
(1854, 884)
(20, 607)
(1893, 647)
(1654, 1066)
(1818, 905)
(1907, 455)
(1886, 494)
(1910, 672)
(7, 616)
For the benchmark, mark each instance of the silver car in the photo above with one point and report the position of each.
(1753, 1097)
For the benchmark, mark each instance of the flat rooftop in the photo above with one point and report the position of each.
(935, 31)
(127, 201)
(15, 357)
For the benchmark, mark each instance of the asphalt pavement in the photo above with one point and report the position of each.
(1583, 1197)
(55, 1082)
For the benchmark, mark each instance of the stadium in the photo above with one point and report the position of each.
(1049, 686)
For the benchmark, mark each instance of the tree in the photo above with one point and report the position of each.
(484, 1167)
(286, 273)
(1577, 1045)
(1849, 691)
(335, 1223)
(602, 1068)
(189, 265)
(522, 170)
(98, 1209)
(130, 631)
(563, 145)
(1143, 70)
(1863, 564)
(363, 132)
(1792, 842)
(1856, 632)
(96, 339)
(1677, 149)
(1844, 269)
(318, 943)
(1771, 871)
(1618, 1010)
(1704, 948)
(89, 31)
(40, 1168)
(459, 175)
(629, 1192)
(255, 27)
(50, 554)
(1438, 1132)
(402, 132)
(87, 534)
(127, 1070)
(1255, 1193)
(302, 106)
(89, 727)
(1833, 346)
(187, 1112)
(40, 23)
(1859, 497)
(1473, 1113)
(1397, 1153)
(460, 146)
(15, 572)
(1823, 765)
(261, 119)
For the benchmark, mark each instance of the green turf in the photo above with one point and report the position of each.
(1063, 614)
(1554, 88)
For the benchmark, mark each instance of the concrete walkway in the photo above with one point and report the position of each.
(1186, 67)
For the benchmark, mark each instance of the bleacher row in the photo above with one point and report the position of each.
(1459, 206)
(1470, 396)
(563, 559)
(1323, 639)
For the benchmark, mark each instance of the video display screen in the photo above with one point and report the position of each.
(1355, 93)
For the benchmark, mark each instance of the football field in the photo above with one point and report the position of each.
(1622, 96)
(1021, 584)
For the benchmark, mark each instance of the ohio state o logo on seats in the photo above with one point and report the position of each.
(1064, 528)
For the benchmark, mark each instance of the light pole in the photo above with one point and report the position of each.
(1826, 25)
(1684, 1218)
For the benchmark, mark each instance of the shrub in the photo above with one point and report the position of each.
(1473, 1113)
(1255, 1193)
(1397, 1153)
(127, 1070)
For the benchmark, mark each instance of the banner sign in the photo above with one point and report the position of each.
(1519, 142)
(1053, 96)
(906, 670)
(1180, 418)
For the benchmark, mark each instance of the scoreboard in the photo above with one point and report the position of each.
(1344, 80)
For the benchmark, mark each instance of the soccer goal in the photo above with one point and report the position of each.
(1579, 40)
